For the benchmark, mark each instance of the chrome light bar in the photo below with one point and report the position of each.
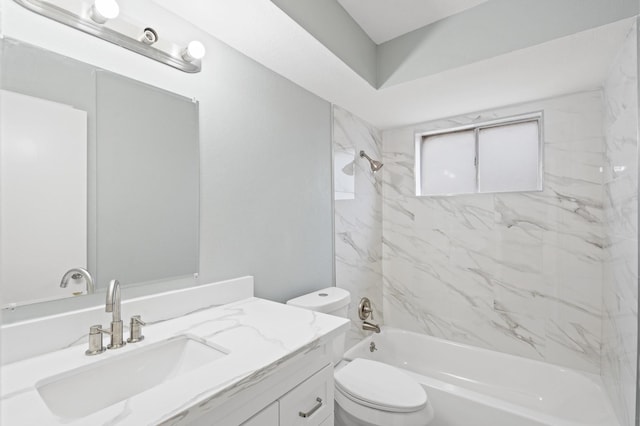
(103, 21)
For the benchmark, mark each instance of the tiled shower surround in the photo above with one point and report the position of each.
(358, 222)
(549, 275)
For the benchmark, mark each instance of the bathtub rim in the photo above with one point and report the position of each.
(476, 396)
(384, 329)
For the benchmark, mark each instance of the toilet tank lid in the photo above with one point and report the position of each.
(326, 300)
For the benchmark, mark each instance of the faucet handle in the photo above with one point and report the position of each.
(95, 340)
(136, 329)
(364, 309)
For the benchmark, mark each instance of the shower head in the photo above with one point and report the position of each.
(375, 165)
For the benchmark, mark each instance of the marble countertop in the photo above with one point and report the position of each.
(258, 334)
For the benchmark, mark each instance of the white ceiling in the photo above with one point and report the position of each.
(384, 20)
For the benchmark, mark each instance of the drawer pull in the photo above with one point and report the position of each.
(313, 410)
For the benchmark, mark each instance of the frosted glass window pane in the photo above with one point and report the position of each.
(447, 164)
(508, 158)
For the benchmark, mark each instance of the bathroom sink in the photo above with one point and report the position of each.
(91, 388)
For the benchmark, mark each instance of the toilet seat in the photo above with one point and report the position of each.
(376, 394)
(380, 386)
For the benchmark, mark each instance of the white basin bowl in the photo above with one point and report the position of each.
(78, 393)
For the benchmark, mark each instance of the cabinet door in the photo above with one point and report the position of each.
(309, 403)
(328, 421)
(266, 417)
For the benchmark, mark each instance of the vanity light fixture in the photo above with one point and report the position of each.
(102, 18)
(104, 10)
(194, 51)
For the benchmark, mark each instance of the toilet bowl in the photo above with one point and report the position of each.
(367, 393)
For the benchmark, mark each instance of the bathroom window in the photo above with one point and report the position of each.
(498, 156)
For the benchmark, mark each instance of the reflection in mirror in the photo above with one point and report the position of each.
(43, 190)
(147, 182)
(98, 171)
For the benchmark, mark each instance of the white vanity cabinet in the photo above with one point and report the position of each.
(308, 404)
(297, 391)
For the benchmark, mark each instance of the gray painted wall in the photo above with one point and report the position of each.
(266, 182)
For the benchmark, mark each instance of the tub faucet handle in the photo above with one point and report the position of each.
(364, 309)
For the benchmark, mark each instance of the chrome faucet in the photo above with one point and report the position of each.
(76, 274)
(113, 305)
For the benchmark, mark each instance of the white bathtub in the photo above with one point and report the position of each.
(470, 386)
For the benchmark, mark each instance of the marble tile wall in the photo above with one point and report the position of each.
(620, 279)
(519, 273)
(358, 221)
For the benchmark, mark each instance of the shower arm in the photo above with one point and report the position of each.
(364, 154)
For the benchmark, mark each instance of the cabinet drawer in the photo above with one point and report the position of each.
(266, 417)
(309, 403)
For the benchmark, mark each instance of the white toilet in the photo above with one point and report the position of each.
(367, 393)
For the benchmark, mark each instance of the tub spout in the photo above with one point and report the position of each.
(369, 326)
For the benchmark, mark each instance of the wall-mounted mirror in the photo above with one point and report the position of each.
(98, 171)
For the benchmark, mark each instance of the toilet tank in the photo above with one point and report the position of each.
(332, 301)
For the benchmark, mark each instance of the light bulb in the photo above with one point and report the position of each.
(103, 10)
(194, 51)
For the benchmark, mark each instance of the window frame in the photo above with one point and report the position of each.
(536, 116)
